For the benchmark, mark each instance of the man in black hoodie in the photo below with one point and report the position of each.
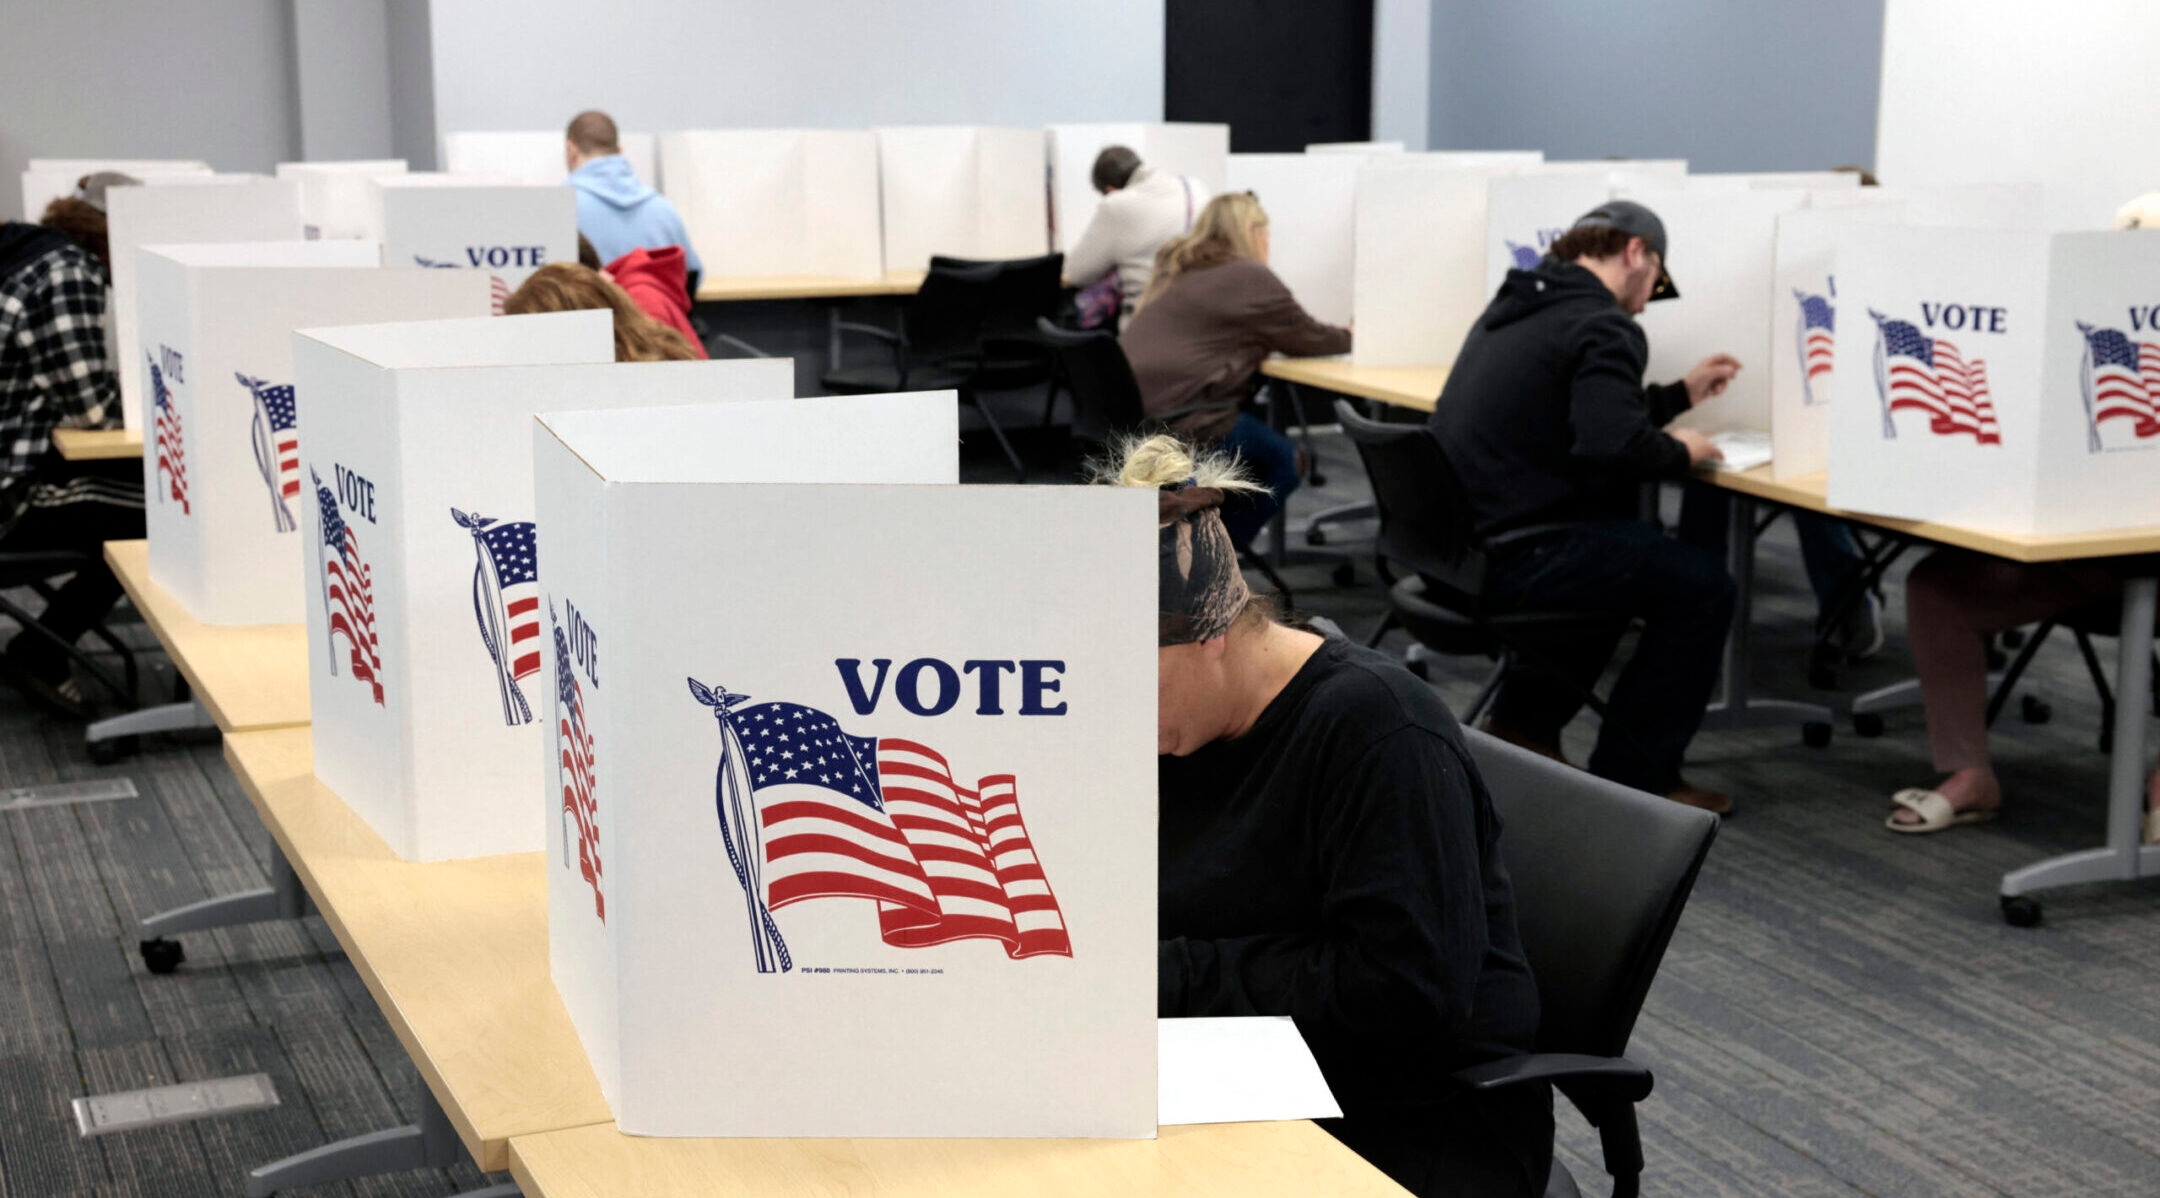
(1546, 418)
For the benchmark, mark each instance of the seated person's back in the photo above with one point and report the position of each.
(617, 212)
(1328, 852)
(1142, 208)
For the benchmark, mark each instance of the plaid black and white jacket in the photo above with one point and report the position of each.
(55, 372)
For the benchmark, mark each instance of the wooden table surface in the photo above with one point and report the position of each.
(454, 952)
(1415, 387)
(783, 287)
(1234, 1160)
(248, 676)
(1811, 492)
(97, 445)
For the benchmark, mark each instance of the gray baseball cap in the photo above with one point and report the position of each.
(1635, 220)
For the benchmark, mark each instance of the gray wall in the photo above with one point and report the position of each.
(687, 64)
(342, 52)
(208, 79)
(1730, 85)
(410, 42)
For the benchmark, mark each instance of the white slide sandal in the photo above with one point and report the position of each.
(1934, 810)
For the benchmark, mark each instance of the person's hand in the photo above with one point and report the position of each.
(1699, 448)
(1708, 379)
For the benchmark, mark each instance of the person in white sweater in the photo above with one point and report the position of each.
(1141, 209)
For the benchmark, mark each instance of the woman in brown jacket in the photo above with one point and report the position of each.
(1210, 315)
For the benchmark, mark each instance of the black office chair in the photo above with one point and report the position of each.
(1022, 292)
(938, 347)
(1601, 873)
(1426, 526)
(2102, 617)
(35, 571)
(1107, 405)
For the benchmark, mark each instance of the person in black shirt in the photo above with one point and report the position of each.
(1546, 419)
(1329, 852)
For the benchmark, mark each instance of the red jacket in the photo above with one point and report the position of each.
(659, 283)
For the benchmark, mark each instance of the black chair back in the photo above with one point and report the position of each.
(1106, 397)
(1601, 873)
(1024, 290)
(1425, 519)
(945, 317)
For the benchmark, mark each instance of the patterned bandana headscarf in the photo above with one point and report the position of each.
(1202, 590)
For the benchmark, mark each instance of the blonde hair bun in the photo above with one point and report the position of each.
(1162, 459)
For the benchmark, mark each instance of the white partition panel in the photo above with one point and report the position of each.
(961, 191)
(1311, 202)
(47, 179)
(778, 201)
(537, 156)
(334, 195)
(1419, 278)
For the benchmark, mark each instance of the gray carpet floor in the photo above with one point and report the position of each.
(1842, 1011)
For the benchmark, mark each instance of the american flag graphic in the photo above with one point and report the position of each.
(277, 446)
(574, 750)
(170, 443)
(506, 604)
(1915, 372)
(2121, 382)
(498, 290)
(1817, 341)
(1525, 257)
(810, 811)
(348, 594)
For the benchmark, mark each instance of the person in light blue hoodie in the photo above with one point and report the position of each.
(615, 211)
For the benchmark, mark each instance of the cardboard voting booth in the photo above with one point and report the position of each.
(2005, 379)
(419, 551)
(47, 179)
(536, 156)
(1311, 202)
(1774, 181)
(1198, 150)
(1419, 275)
(1804, 327)
(1353, 147)
(454, 222)
(961, 191)
(334, 196)
(778, 201)
(1723, 256)
(235, 210)
(856, 766)
(225, 505)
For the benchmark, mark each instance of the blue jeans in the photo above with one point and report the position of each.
(1271, 460)
(1826, 545)
(1632, 570)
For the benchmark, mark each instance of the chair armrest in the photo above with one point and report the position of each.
(1537, 530)
(1613, 1077)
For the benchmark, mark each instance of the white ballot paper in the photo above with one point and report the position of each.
(1241, 1070)
(1744, 449)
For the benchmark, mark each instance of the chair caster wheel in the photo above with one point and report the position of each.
(1815, 734)
(2020, 912)
(1316, 535)
(161, 955)
(2034, 710)
(1345, 575)
(1316, 478)
(1418, 666)
(2014, 639)
(1868, 724)
(107, 752)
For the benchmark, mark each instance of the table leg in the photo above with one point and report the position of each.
(1736, 709)
(832, 337)
(284, 898)
(2125, 857)
(431, 1143)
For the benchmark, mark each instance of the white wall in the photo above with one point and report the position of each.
(342, 51)
(686, 64)
(1402, 71)
(145, 79)
(2003, 90)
